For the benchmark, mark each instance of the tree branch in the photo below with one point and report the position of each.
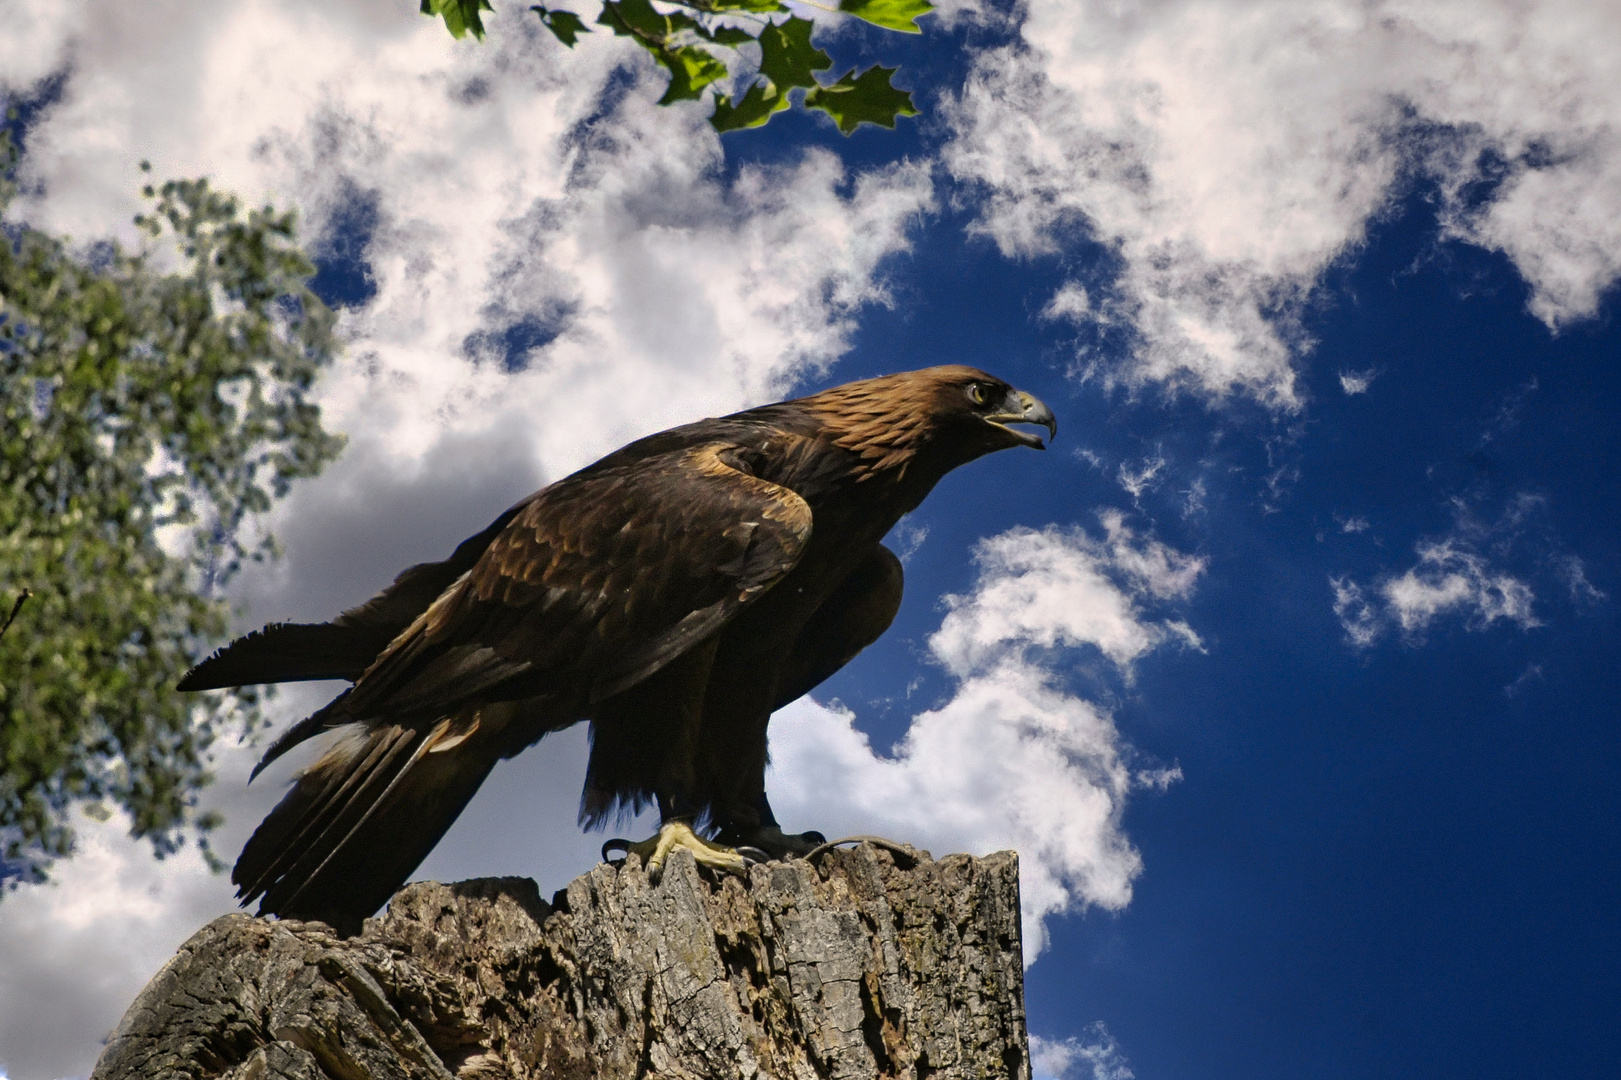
(18, 606)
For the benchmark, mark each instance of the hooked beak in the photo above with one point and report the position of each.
(1022, 408)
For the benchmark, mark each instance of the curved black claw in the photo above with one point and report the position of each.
(618, 843)
(770, 841)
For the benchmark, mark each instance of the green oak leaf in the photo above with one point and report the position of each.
(460, 15)
(565, 24)
(691, 69)
(899, 15)
(787, 56)
(868, 99)
(752, 111)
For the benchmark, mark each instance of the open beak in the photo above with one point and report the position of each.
(1022, 408)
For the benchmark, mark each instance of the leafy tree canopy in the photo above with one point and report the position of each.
(146, 414)
(700, 43)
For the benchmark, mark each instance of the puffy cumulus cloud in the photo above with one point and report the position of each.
(1012, 759)
(1064, 587)
(1448, 580)
(539, 239)
(1228, 151)
(74, 952)
(1095, 1056)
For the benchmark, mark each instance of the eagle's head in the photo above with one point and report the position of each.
(982, 408)
(948, 415)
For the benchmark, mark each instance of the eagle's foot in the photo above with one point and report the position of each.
(679, 834)
(771, 840)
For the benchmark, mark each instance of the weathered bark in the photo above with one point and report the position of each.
(855, 967)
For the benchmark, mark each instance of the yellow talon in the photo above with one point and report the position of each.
(678, 834)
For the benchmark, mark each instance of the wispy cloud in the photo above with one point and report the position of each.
(1357, 382)
(1447, 580)
(1094, 1056)
(1145, 476)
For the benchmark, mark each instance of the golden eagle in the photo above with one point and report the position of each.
(674, 594)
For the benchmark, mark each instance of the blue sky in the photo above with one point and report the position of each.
(1290, 663)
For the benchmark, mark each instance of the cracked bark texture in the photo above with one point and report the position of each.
(864, 965)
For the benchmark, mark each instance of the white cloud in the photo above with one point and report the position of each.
(1095, 1057)
(1064, 587)
(506, 188)
(73, 953)
(1145, 477)
(1357, 382)
(1012, 759)
(1447, 580)
(1582, 591)
(1228, 152)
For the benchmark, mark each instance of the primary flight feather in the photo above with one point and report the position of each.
(674, 594)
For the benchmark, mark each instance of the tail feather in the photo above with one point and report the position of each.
(334, 714)
(305, 816)
(290, 652)
(346, 646)
(359, 821)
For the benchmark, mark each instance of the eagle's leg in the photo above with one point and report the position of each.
(764, 833)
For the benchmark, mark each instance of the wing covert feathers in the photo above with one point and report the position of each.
(595, 584)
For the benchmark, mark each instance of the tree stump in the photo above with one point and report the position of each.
(867, 964)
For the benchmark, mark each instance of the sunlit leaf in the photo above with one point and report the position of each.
(899, 15)
(752, 110)
(565, 24)
(787, 56)
(869, 99)
(460, 16)
(691, 69)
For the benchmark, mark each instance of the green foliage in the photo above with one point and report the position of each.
(698, 43)
(460, 15)
(868, 99)
(145, 415)
(565, 24)
(675, 40)
(787, 57)
(899, 15)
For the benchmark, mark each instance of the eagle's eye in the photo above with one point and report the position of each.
(977, 394)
